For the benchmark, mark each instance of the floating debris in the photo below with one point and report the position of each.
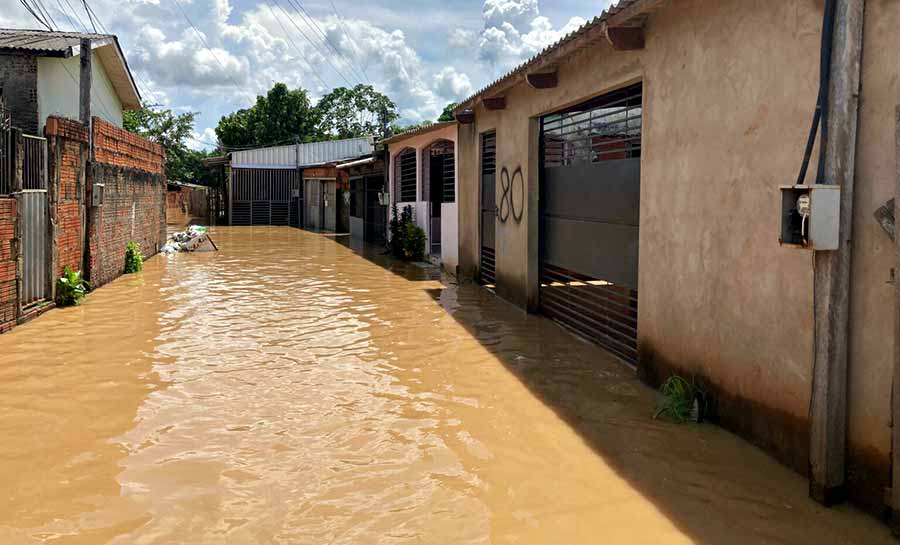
(194, 239)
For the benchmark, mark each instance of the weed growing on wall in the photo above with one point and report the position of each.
(134, 261)
(407, 238)
(71, 288)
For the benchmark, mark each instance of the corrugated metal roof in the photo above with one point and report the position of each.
(45, 41)
(520, 70)
(304, 155)
(417, 131)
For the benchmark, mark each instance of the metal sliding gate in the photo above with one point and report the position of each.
(487, 268)
(590, 212)
(35, 222)
(375, 226)
(265, 196)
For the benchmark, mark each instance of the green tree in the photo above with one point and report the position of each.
(168, 130)
(281, 117)
(360, 111)
(447, 114)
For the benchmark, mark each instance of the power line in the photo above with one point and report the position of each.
(312, 43)
(327, 40)
(75, 13)
(35, 12)
(202, 39)
(299, 52)
(90, 14)
(356, 48)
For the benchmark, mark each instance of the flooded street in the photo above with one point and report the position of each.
(289, 390)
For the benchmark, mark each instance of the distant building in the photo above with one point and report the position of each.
(423, 177)
(40, 72)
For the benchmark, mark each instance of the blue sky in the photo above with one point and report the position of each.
(423, 53)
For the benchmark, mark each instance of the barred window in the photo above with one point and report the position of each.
(607, 128)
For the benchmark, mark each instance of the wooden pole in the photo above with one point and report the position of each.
(895, 398)
(828, 405)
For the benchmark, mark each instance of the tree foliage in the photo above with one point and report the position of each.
(172, 133)
(168, 130)
(351, 113)
(447, 114)
(282, 116)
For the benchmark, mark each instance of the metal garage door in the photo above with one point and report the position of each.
(590, 209)
(263, 196)
(487, 269)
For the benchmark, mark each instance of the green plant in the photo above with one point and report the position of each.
(134, 261)
(407, 238)
(683, 400)
(71, 288)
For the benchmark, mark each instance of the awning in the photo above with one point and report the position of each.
(357, 163)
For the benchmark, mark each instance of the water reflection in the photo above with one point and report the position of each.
(288, 390)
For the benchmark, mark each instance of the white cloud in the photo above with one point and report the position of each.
(514, 30)
(452, 85)
(203, 140)
(186, 61)
(461, 38)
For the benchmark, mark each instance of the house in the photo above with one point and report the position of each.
(367, 207)
(296, 185)
(423, 177)
(40, 75)
(627, 182)
(77, 195)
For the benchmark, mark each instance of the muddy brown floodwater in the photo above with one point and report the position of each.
(290, 390)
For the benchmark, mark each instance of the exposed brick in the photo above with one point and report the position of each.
(8, 301)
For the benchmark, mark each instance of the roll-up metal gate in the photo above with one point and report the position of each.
(264, 196)
(487, 269)
(590, 212)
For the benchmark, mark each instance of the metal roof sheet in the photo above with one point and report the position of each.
(304, 155)
(44, 41)
(47, 43)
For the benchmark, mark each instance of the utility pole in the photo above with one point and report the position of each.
(84, 83)
(828, 404)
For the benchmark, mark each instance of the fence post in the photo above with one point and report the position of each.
(16, 185)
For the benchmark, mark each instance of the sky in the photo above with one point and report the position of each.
(215, 56)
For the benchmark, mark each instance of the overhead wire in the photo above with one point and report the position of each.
(325, 55)
(294, 45)
(357, 50)
(90, 14)
(205, 44)
(326, 40)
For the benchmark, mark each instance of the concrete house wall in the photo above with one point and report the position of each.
(57, 90)
(729, 89)
(449, 211)
(35, 88)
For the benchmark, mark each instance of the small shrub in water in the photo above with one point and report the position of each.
(682, 400)
(407, 238)
(71, 288)
(134, 261)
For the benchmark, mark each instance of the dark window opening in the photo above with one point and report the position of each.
(606, 128)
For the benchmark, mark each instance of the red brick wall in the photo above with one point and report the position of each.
(116, 146)
(68, 141)
(134, 209)
(8, 299)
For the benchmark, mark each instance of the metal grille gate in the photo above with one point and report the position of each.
(590, 212)
(375, 228)
(487, 268)
(264, 196)
(35, 222)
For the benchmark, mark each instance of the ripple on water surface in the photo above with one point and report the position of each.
(289, 390)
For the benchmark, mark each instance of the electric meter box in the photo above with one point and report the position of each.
(97, 195)
(810, 216)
